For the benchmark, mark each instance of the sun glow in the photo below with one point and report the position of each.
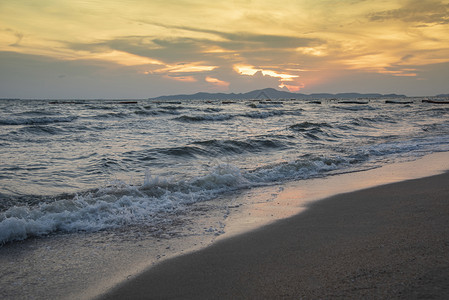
(292, 88)
(250, 70)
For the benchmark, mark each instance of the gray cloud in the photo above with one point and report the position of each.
(427, 12)
(19, 37)
(17, 34)
(169, 50)
(237, 40)
(260, 49)
(407, 57)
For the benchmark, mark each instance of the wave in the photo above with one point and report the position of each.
(435, 128)
(97, 107)
(37, 120)
(27, 132)
(146, 113)
(120, 204)
(36, 112)
(157, 112)
(416, 146)
(224, 117)
(235, 146)
(182, 151)
(268, 114)
(264, 105)
(116, 205)
(357, 107)
(42, 130)
(114, 115)
(212, 109)
(436, 111)
(208, 148)
(167, 112)
(315, 131)
(155, 153)
(304, 126)
(202, 118)
(176, 107)
(371, 121)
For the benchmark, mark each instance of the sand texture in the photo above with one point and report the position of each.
(386, 242)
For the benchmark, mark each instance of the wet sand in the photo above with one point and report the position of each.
(390, 241)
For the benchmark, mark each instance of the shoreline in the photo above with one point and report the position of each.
(86, 265)
(278, 202)
(388, 241)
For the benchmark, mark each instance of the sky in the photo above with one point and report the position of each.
(72, 49)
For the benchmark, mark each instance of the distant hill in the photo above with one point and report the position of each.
(269, 93)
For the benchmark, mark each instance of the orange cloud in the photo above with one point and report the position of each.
(217, 82)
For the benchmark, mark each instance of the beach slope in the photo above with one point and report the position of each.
(390, 241)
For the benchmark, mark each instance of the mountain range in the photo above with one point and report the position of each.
(270, 93)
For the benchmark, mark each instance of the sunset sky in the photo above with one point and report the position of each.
(147, 48)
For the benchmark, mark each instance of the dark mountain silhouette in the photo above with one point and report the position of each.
(269, 93)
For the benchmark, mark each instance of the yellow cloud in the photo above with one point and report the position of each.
(187, 68)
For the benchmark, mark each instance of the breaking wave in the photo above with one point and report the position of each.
(120, 204)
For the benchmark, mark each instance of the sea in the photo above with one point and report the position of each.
(108, 175)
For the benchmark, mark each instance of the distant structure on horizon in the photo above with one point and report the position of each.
(270, 93)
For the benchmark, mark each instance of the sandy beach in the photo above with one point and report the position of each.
(384, 242)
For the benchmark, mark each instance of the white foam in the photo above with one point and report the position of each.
(117, 205)
(120, 204)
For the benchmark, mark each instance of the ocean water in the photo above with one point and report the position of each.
(96, 165)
